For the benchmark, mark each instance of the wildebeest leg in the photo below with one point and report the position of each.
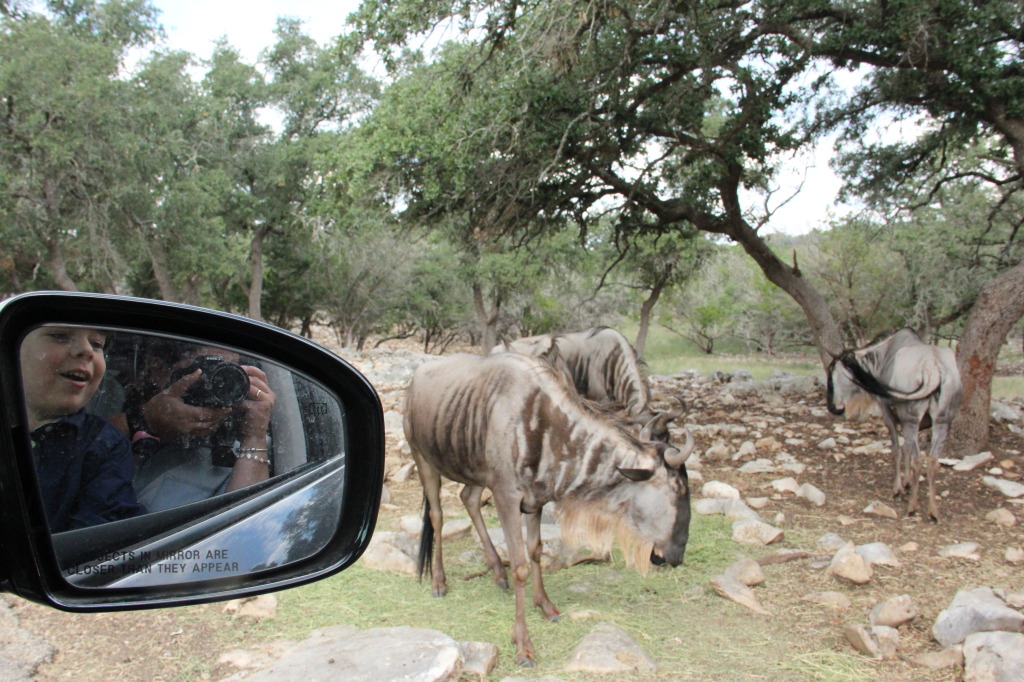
(913, 450)
(471, 498)
(939, 432)
(431, 480)
(535, 548)
(901, 481)
(507, 505)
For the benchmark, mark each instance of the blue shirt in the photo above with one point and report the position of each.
(84, 467)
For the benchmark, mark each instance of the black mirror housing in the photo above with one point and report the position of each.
(312, 517)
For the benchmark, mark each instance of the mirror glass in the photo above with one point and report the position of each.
(163, 460)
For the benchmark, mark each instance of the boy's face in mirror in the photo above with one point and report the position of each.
(61, 368)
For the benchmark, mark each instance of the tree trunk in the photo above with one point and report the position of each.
(999, 306)
(488, 321)
(58, 268)
(645, 316)
(823, 325)
(162, 273)
(255, 288)
(190, 293)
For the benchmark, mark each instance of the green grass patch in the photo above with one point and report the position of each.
(672, 613)
(667, 353)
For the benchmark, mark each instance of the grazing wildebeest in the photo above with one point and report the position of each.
(510, 423)
(603, 365)
(909, 379)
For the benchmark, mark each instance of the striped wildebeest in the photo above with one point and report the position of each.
(511, 423)
(909, 379)
(601, 362)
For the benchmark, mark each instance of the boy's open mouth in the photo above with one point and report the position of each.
(76, 376)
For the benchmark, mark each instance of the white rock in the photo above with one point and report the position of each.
(972, 611)
(794, 467)
(961, 550)
(1004, 413)
(757, 502)
(746, 571)
(1008, 488)
(747, 449)
(830, 542)
(994, 657)
(411, 524)
(1001, 517)
(609, 649)
(811, 494)
(972, 462)
(758, 466)
(881, 509)
(716, 452)
(894, 612)
(366, 655)
(478, 657)
(938, 660)
(878, 553)
(785, 485)
(710, 505)
(827, 444)
(1014, 555)
(719, 490)
(403, 472)
(752, 532)
(850, 565)
(879, 642)
(737, 510)
(738, 592)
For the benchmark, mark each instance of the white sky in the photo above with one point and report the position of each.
(195, 25)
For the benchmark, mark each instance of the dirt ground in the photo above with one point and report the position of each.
(180, 643)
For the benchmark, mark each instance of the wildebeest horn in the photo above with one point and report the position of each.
(672, 416)
(677, 458)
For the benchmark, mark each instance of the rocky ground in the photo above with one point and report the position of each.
(771, 444)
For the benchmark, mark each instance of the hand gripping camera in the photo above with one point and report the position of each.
(222, 383)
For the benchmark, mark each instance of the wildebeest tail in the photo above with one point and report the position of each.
(423, 562)
(875, 386)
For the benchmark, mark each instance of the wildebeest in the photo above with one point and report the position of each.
(909, 379)
(510, 423)
(602, 363)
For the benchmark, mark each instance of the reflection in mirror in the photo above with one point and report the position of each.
(137, 436)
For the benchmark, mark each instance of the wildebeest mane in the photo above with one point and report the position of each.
(589, 525)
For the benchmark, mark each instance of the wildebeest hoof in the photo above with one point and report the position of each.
(502, 583)
(440, 592)
(554, 618)
(526, 662)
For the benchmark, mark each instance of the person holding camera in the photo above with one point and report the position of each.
(198, 421)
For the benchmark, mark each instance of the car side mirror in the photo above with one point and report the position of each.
(155, 454)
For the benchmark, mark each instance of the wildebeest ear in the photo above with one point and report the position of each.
(636, 474)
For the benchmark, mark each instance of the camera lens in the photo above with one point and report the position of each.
(222, 384)
(228, 385)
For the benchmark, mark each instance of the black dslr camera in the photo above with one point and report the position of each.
(222, 383)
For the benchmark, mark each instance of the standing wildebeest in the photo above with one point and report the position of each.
(909, 379)
(510, 423)
(602, 363)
